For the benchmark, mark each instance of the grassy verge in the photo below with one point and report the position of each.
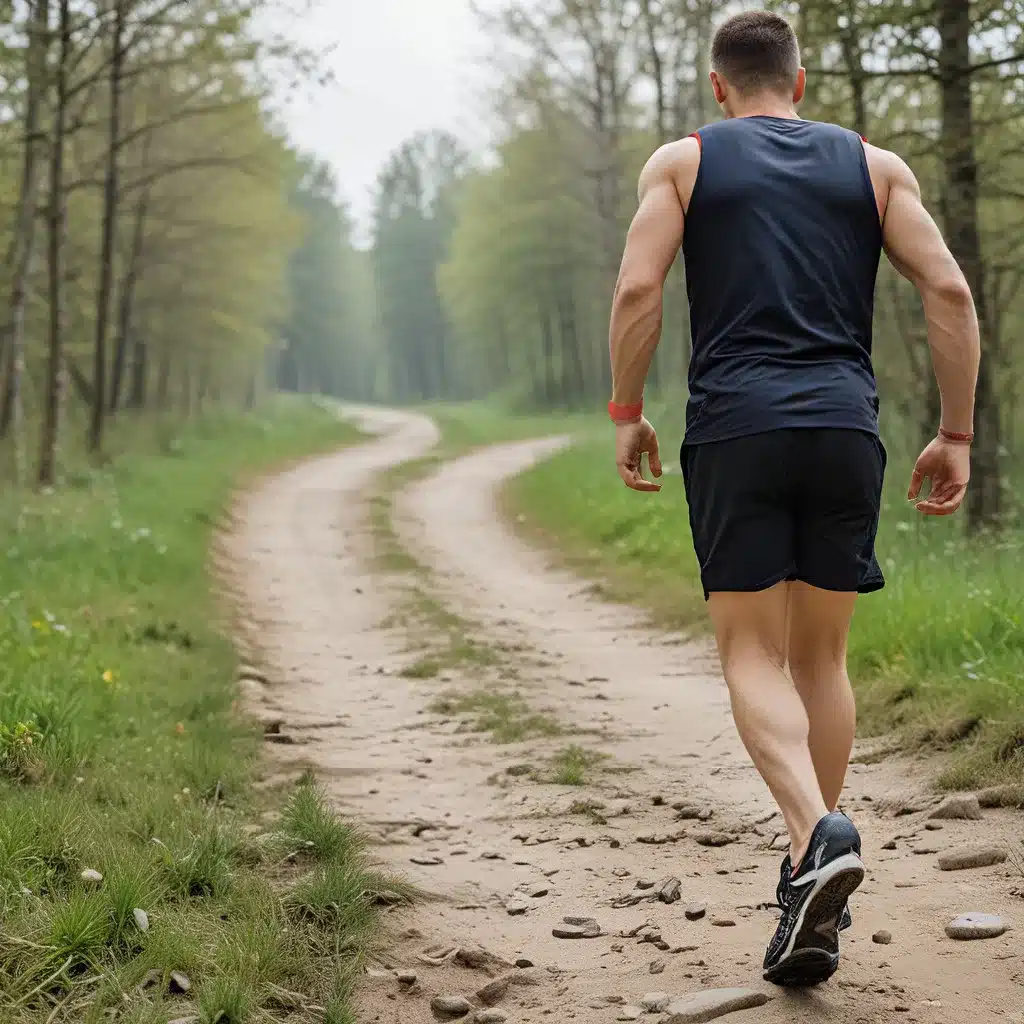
(134, 881)
(441, 640)
(938, 655)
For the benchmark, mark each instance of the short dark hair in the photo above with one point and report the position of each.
(756, 51)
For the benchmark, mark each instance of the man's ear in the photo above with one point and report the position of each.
(719, 86)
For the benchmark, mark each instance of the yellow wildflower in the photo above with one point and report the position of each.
(109, 678)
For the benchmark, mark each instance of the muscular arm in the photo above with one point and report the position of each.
(916, 249)
(652, 243)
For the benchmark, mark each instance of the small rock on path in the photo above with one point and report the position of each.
(715, 1003)
(656, 1002)
(577, 928)
(450, 1007)
(958, 808)
(695, 911)
(882, 937)
(972, 857)
(976, 926)
(630, 1013)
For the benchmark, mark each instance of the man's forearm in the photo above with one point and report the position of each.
(633, 337)
(954, 340)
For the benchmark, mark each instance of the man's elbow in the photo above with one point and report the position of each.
(637, 289)
(953, 289)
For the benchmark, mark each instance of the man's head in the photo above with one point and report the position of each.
(755, 56)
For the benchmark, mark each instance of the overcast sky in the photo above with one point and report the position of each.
(400, 66)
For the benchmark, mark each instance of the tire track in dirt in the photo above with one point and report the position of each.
(320, 620)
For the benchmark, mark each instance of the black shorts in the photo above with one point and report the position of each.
(795, 504)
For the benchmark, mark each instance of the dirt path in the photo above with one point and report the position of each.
(513, 855)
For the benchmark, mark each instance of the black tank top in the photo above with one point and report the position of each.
(782, 244)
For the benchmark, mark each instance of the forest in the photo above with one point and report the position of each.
(492, 274)
(161, 239)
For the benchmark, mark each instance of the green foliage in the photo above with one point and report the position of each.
(139, 769)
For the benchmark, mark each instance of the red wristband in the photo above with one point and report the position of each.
(625, 413)
(955, 438)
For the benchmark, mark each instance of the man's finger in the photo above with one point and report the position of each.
(634, 481)
(944, 506)
(654, 457)
(916, 479)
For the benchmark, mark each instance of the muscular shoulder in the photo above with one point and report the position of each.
(675, 163)
(889, 167)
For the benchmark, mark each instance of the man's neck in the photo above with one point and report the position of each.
(765, 106)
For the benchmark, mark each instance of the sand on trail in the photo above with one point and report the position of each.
(509, 855)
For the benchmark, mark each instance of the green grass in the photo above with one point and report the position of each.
(506, 716)
(938, 655)
(122, 752)
(572, 766)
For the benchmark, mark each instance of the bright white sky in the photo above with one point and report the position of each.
(400, 66)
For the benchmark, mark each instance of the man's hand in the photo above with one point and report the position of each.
(947, 466)
(631, 441)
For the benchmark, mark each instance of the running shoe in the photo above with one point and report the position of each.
(805, 948)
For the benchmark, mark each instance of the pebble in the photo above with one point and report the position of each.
(450, 1006)
(92, 876)
(577, 928)
(406, 977)
(522, 963)
(723, 922)
(494, 991)
(643, 883)
(963, 808)
(933, 826)
(972, 857)
(715, 839)
(489, 1017)
(656, 1002)
(714, 1003)
(670, 890)
(687, 811)
(882, 938)
(630, 1013)
(141, 919)
(657, 966)
(426, 862)
(474, 959)
(492, 855)
(515, 909)
(976, 926)
(620, 873)
(180, 982)
(925, 850)
(709, 1006)
(695, 911)
(537, 892)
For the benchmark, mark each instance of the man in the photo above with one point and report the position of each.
(782, 223)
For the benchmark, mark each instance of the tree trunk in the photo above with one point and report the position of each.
(854, 61)
(139, 375)
(984, 503)
(21, 255)
(657, 73)
(124, 317)
(110, 198)
(55, 257)
(163, 381)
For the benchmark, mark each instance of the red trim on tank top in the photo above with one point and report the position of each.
(700, 141)
(863, 138)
